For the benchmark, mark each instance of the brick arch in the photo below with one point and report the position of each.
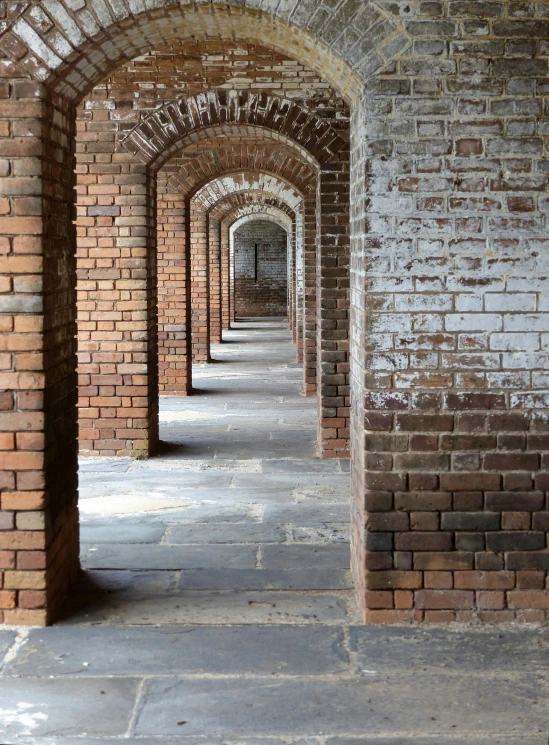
(230, 209)
(252, 201)
(266, 213)
(165, 131)
(273, 186)
(73, 46)
(266, 292)
(188, 174)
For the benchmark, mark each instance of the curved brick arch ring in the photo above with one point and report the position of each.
(190, 174)
(261, 184)
(72, 46)
(227, 208)
(268, 213)
(172, 127)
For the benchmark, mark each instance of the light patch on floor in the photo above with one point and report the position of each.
(22, 716)
(187, 416)
(235, 466)
(129, 504)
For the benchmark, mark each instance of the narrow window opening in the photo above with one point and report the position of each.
(255, 265)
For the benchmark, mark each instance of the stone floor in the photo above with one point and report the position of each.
(217, 608)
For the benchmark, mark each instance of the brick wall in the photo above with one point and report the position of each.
(449, 321)
(261, 269)
(448, 268)
(174, 293)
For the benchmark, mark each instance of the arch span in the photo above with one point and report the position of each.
(89, 39)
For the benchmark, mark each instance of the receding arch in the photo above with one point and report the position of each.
(261, 184)
(165, 131)
(267, 213)
(188, 171)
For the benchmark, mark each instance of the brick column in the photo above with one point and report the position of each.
(225, 277)
(200, 301)
(332, 306)
(117, 325)
(292, 282)
(174, 296)
(38, 453)
(299, 285)
(309, 294)
(214, 254)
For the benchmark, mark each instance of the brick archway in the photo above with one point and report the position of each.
(101, 35)
(448, 351)
(166, 131)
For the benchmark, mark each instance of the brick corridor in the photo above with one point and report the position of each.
(217, 607)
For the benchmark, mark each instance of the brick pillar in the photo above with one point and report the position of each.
(292, 281)
(174, 296)
(197, 237)
(38, 458)
(225, 277)
(332, 301)
(449, 345)
(299, 285)
(309, 294)
(214, 253)
(232, 303)
(117, 327)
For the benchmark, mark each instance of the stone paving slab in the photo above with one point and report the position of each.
(114, 580)
(306, 465)
(133, 556)
(248, 532)
(302, 556)
(307, 515)
(220, 650)
(294, 481)
(103, 464)
(310, 707)
(469, 739)
(399, 740)
(328, 533)
(265, 579)
(6, 640)
(30, 706)
(212, 607)
(418, 649)
(196, 513)
(126, 533)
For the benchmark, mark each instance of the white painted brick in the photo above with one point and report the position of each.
(525, 360)
(468, 303)
(473, 322)
(526, 322)
(510, 301)
(515, 342)
(540, 379)
(416, 302)
(534, 400)
(508, 380)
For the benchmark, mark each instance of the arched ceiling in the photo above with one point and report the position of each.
(168, 129)
(73, 45)
(187, 173)
(270, 214)
(249, 201)
(261, 184)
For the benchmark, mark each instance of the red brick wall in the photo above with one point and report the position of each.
(174, 296)
(449, 404)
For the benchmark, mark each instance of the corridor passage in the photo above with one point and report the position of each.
(236, 503)
(216, 606)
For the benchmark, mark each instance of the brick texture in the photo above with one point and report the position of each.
(422, 325)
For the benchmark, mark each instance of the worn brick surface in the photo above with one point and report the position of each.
(448, 411)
